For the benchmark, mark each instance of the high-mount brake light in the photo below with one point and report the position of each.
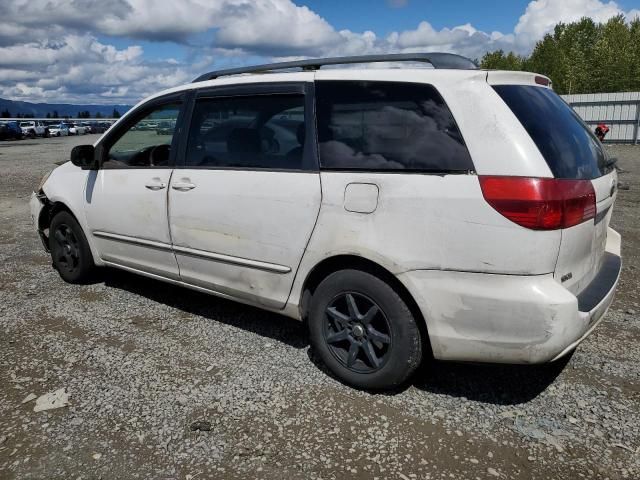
(540, 203)
(542, 80)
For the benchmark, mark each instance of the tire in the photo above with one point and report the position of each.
(46, 133)
(32, 134)
(70, 252)
(388, 346)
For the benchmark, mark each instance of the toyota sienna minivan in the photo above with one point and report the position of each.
(398, 212)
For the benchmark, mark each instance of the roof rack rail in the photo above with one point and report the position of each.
(437, 60)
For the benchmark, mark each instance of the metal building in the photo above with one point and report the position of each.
(620, 111)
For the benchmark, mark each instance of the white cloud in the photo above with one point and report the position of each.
(462, 39)
(49, 49)
(264, 26)
(78, 68)
(633, 14)
(542, 15)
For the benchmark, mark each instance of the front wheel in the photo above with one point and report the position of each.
(363, 331)
(70, 250)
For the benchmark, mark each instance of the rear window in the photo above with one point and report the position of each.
(382, 126)
(566, 143)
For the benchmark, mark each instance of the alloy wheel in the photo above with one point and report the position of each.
(357, 332)
(67, 251)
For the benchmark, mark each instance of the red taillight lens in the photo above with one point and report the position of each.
(540, 203)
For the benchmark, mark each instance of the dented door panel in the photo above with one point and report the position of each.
(128, 221)
(243, 233)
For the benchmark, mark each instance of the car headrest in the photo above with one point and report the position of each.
(243, 140)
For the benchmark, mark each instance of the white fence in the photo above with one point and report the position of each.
(620, 111)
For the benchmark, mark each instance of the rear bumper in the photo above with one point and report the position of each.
(595, 299)
(482, 317)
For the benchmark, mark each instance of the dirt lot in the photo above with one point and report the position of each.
(143, 360)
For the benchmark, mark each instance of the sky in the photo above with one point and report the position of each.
(120, 51)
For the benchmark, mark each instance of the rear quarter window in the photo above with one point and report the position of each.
(387, 126)
(570, 149)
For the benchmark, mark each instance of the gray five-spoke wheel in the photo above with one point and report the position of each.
(67, 249)
(357, 332)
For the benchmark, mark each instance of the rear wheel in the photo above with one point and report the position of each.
(363, 331)
(70, 250)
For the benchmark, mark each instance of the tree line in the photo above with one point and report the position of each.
(82, 114)
(582, 57)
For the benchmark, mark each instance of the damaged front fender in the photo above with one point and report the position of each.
(40, 208)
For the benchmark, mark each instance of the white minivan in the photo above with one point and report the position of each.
(401, 213)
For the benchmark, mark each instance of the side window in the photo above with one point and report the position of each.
(146, 143)
(387, 126)
(261, 131)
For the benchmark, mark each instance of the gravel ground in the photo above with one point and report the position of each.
(142, 361)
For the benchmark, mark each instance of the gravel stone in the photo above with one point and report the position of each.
(201, 425)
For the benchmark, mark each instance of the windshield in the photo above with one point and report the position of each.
(566, 143)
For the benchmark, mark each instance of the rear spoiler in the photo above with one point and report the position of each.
(503, 77)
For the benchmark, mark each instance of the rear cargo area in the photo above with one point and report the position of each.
(572, 152)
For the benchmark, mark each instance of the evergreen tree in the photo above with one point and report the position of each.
(499, 61)
(582, 56)
(634, 42)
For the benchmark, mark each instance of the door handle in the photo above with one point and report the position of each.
(183, 186)
(156, 186)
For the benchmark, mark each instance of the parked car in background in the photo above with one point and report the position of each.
(59, 130)
(398, 212)
(150, 125)
(88, 127)
(165, 128)
(99, 127)
(10, 131)
(77, 129)
(34, 128)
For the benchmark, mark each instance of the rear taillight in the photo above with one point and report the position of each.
(540, 203)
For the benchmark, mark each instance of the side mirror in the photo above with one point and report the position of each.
(83, 156)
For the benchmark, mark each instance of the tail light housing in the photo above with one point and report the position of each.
(540, 203)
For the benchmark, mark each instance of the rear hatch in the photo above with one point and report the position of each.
(572, 152)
